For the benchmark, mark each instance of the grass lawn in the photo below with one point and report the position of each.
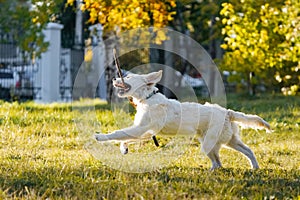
(42, 155)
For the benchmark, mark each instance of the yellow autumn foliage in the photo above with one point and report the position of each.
(129, 14)
(262, 36)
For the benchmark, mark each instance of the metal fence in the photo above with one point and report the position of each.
(16, 73)
(20, 79)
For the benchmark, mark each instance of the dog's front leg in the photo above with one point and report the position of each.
(130, 133)
(124, 135)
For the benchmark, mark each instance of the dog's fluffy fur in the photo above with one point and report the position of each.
(213, 125)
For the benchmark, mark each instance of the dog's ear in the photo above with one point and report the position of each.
(154, 77)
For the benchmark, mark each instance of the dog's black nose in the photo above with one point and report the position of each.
(114, 79)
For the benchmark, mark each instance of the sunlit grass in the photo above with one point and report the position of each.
(43, 155)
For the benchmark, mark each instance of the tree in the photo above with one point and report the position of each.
(128, 14)
(201, 20)
(117, 16)
(262, 39)
(25, 21)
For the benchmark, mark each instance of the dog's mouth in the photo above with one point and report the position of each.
(122, 88)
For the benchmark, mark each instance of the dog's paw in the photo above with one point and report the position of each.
(216, 167)
(124, 151)
(100, 137)
(124, 148)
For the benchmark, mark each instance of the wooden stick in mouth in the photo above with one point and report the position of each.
(118, 67)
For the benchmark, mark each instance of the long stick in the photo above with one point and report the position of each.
(118, 66)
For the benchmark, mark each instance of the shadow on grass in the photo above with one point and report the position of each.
(92, 182)
(77, 105)
(236, 182)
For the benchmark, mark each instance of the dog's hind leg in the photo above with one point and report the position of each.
(237, 144)
(214, 157)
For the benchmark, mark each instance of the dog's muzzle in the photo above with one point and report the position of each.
(122, 87)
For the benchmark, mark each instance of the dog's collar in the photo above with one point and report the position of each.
(151, 94)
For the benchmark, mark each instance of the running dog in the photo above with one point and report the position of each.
(213, 125)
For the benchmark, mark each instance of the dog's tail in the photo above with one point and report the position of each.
(246, 120)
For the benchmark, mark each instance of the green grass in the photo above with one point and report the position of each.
(42, 155)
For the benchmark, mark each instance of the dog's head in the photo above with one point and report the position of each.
(136, 85)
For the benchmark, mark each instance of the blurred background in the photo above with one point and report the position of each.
(255, 44)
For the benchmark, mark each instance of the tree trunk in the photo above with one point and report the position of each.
(110, 44)
(251, 84)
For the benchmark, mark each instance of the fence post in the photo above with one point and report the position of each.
(50, 64)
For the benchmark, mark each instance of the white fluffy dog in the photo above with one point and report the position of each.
(213, 125)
